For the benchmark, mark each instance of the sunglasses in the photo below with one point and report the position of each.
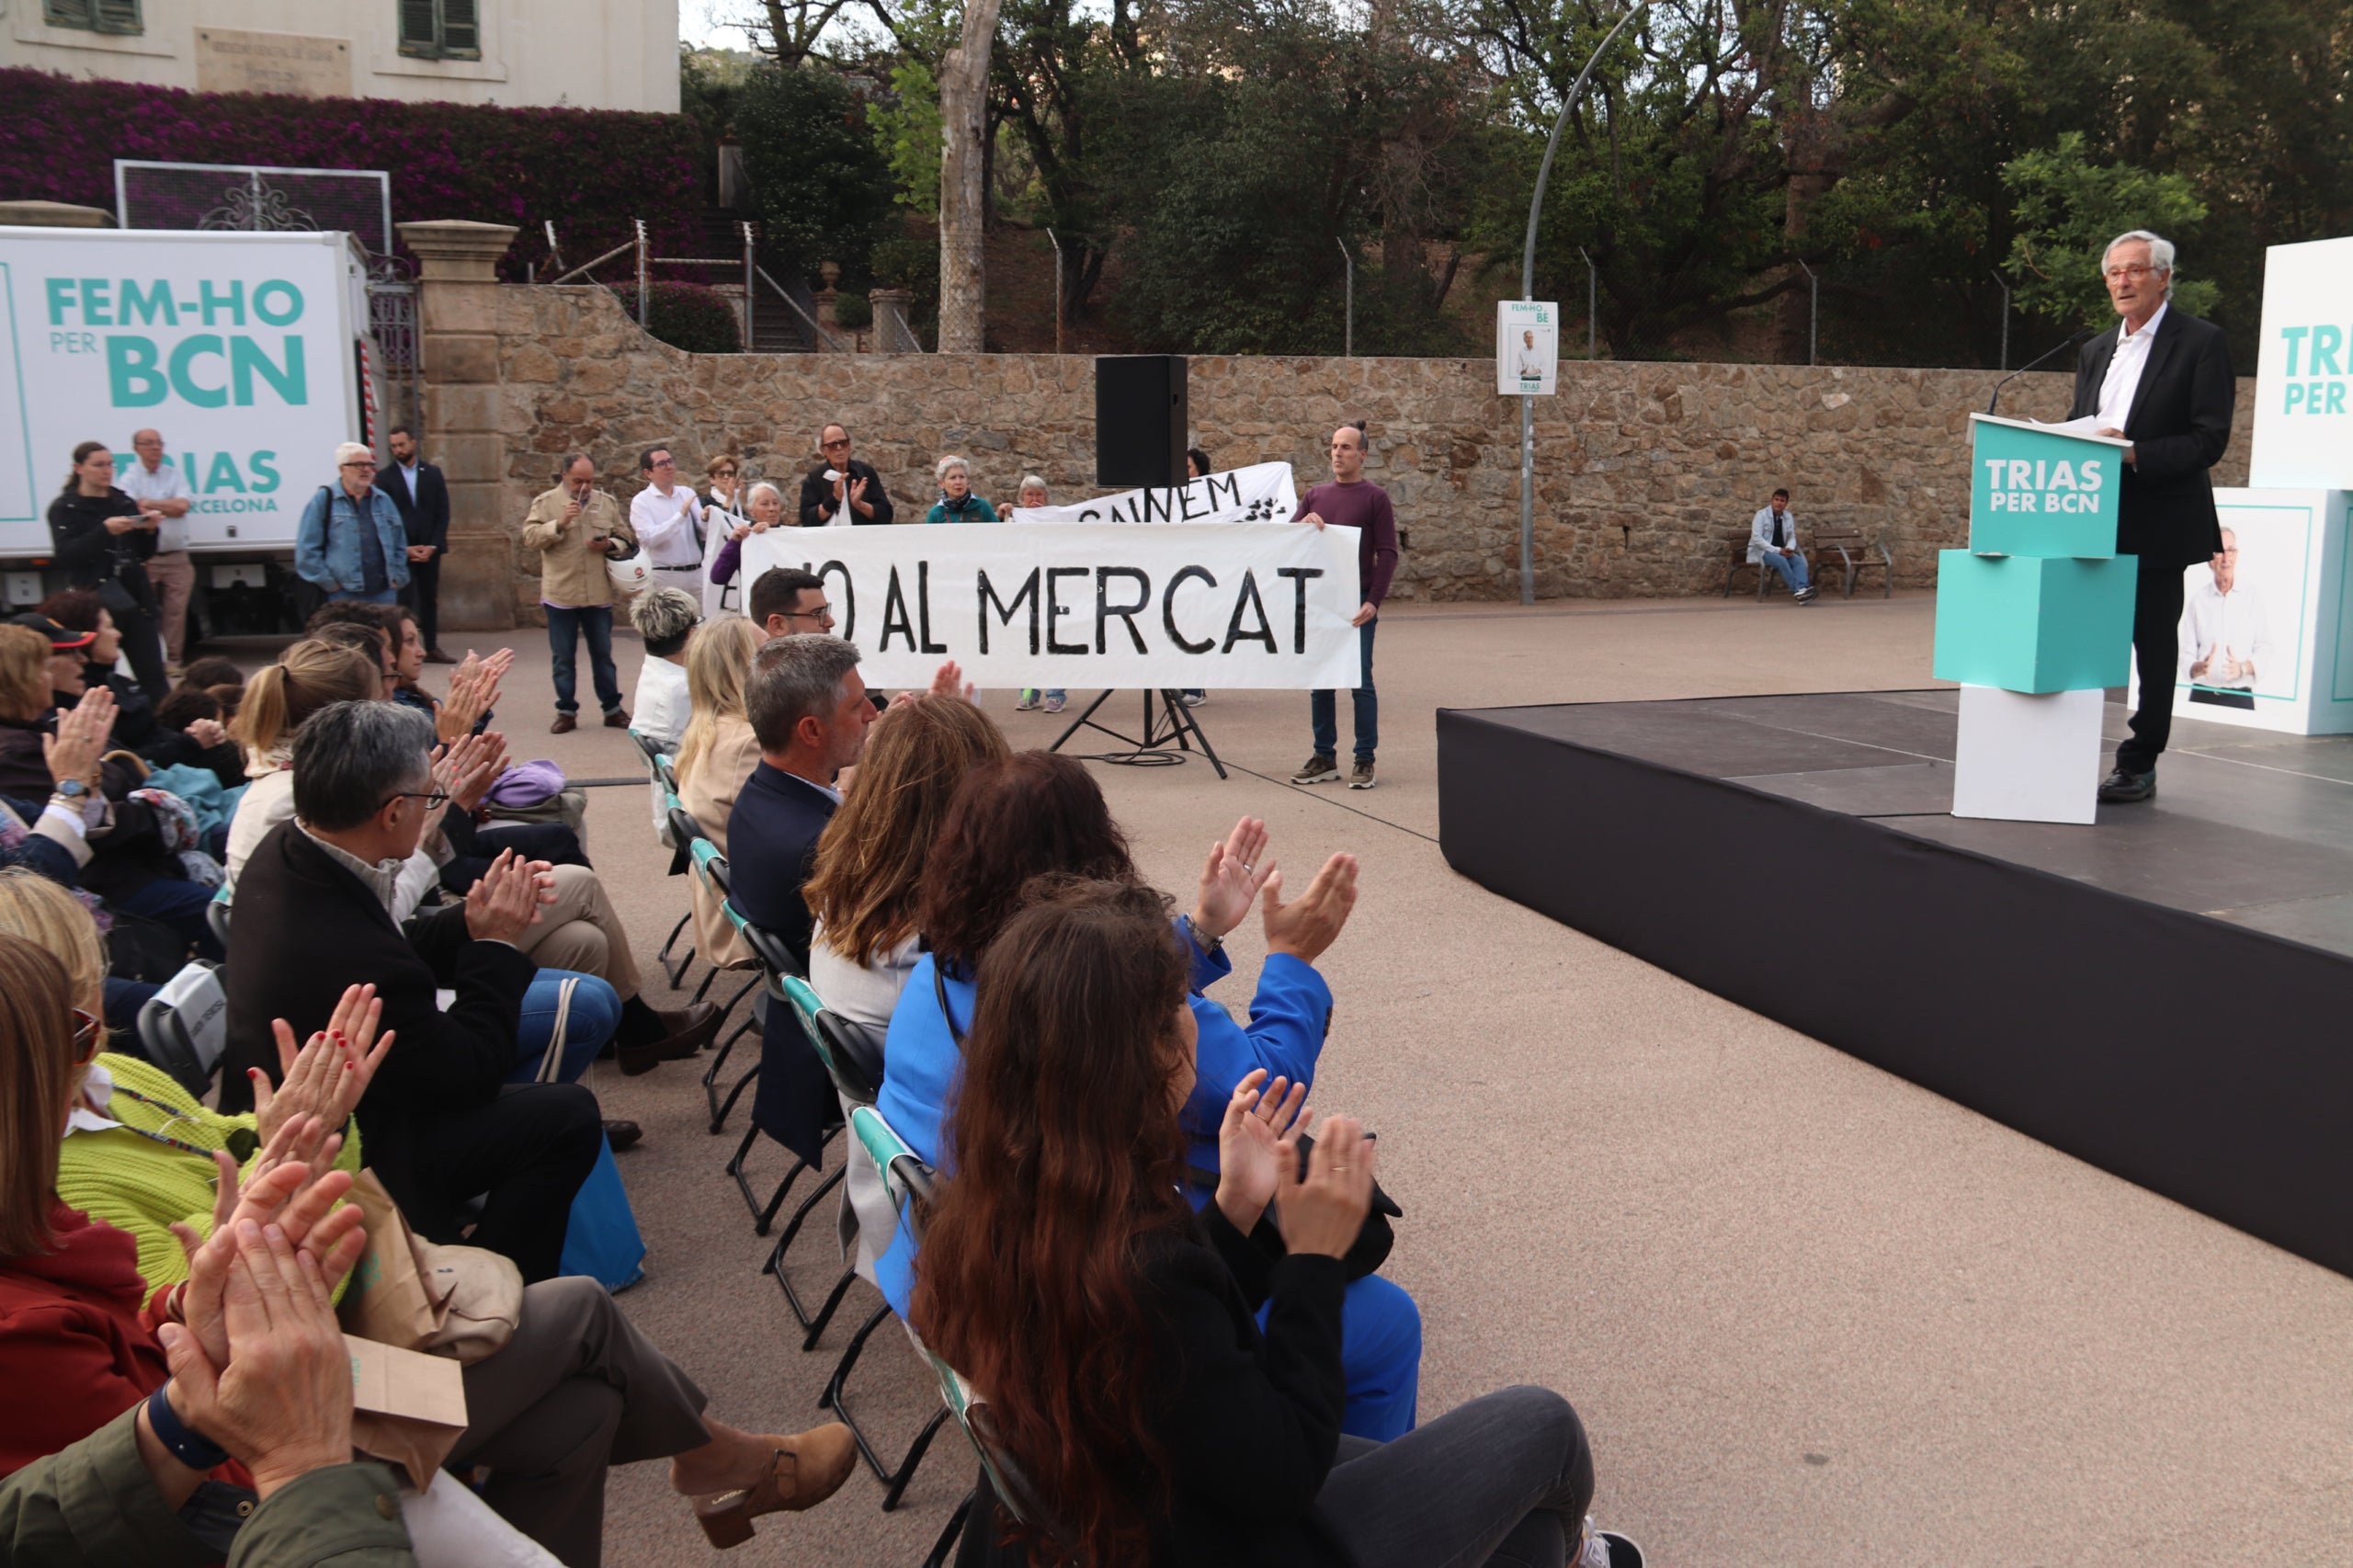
(88, 1035)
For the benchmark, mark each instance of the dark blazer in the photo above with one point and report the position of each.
(426, 515)
(1250, 1421)
(305, 928)
(2179, 424)
(816, 492)
(772, 836)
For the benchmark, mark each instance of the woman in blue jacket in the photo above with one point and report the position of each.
(1040, 814)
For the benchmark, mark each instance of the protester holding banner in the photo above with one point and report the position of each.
(722, 520)
(1354, 502)
(957, 504)
(843, 489)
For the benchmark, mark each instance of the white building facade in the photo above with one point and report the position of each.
(605, 54)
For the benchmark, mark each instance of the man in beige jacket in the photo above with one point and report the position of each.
(576, 529)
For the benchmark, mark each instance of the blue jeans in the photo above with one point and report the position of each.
(1323, 714)
(1380, 1353)
(1791, 567)
(596, 1014)
(564, 629)
(339, 597)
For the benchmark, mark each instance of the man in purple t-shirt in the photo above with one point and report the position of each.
(1353, 501)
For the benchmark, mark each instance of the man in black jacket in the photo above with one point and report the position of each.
(440, 1124)
(2161, 380)
(422, 496)
(842, 481)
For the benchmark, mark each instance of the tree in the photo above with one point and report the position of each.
(2069, 208)
(963, 166)
(824, 187)
(908, 132)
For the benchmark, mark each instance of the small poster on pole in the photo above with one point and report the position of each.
(1528, 347)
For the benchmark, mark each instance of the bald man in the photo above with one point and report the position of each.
(842, 490)
(1352, 501)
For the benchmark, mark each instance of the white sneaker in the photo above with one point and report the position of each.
(1028, 701)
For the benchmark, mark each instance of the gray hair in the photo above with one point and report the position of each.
(663, 617)
(1031, 482)
(352, 757)
(351, 451)
(2160, 252)
(564, 468)
(793, 678)
(951, 462)
(755, 489)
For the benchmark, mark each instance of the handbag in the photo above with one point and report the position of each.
(601, 1239)
(459, 1302)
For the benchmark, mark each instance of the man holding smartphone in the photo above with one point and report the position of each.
(578, 529)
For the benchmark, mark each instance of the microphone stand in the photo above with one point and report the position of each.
(2086, 336)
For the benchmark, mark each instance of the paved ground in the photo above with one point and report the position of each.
(1811, 1313)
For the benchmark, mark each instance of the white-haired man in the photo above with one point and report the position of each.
(351, 543)
(2161, 378)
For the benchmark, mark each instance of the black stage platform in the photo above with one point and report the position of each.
(2167, 995)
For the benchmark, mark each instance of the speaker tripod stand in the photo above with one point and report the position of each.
(1175, 723)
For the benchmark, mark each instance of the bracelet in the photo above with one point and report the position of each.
(191, 1448)
(1210, 946)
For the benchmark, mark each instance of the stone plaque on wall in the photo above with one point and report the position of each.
(229, 60)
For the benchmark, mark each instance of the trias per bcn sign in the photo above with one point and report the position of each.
(239, 348)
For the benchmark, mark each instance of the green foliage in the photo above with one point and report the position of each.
(2068, 208)
(908, 132)
(853, 312)
(824, 189)
(688, 316)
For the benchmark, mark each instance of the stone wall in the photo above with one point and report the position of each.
(1645, 473)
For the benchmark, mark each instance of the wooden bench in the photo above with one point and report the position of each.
(1740, 563)
(1855, 555)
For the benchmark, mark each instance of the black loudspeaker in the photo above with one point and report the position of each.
(1139, 419)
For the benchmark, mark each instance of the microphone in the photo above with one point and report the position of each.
(2086, 336)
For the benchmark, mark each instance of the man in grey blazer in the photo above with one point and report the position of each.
(2161, 380)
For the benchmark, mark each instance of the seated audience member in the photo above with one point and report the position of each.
(1147, 1412)
(784, 601)
(442, 1120)
(809, 715)
(718, 754)
(84, 1342)
(765, 510)
(957, 504)
(131, 864)
(52, 839)
(579, 932)
(183, 730)
(1033, 494)
(1039, 813)
(665, 618)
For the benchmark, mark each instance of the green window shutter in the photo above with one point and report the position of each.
(418, 34)
(68, 13)
(119, 16)
(460, 30)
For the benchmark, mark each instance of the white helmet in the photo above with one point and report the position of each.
(629, 572)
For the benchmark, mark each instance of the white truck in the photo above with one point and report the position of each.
(244, 351)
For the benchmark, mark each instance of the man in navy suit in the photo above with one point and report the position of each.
(809, 711)
(2162, 379)
(422, 496)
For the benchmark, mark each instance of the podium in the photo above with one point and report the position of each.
(2034, 619)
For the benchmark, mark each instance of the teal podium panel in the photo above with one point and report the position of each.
(2037, 490)
(2034, 623)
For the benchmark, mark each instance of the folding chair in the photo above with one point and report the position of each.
(711, 869)
(184, 1027)
(909, 1181)
(854, 1062)
(681, 820)
(216, 917)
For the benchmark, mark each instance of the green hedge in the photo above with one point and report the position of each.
(690, 317)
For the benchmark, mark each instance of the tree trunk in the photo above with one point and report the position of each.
(964, 169)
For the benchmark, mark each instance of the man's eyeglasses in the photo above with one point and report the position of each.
(822, 612)
(434, 799)
(664, 462)
(829, 446)
(2136, 271)
(88, 1035)
(368, 467)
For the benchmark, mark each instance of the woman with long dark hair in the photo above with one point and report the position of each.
(1039, 813)
(1110, 1331)
(103, 539)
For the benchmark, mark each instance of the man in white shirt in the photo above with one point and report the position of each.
(1773, 544)
(667, 517)
(159, 486)
(2228, 637)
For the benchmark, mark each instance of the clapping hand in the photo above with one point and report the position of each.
(1250, 1145)
(327, 1075)
(206, 733)
(283, 1193)
(74, 751)
(506, 903)
(1238, 867)
(1312, 922)
(1322, 1214)
(469, 767)
(948, 681)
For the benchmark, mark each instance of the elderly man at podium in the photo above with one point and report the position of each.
(2161, 380)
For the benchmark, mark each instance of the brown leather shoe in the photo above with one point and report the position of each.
(689, 1027)
(617, 720)
(622, 1134)
(810, 1467)
(564, 725)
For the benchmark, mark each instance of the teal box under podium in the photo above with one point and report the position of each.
(2034, 623)
(2035, 491)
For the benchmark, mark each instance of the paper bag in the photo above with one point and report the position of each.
(407, 1407)
(390, 1300)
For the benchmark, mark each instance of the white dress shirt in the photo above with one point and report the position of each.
(2230, 625)
(2125, 368)
(664, 706)
(665, 527)
(163, 483)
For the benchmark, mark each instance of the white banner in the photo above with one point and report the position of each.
(1259, 494)
(1234, 605)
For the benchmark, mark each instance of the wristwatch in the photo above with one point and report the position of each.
(1210, 946)
(191, 1448)
(71, 788)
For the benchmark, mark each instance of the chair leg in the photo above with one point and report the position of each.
(662, 958)
(763, 1215)
(895, 1478)
(815, 1325)
(955, 1531)
(721, 1112)
(710, 1074)
(914, 1457)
